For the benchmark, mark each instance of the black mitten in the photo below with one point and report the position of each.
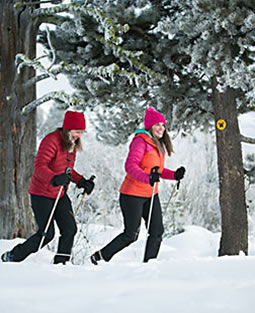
(154, 175)
(179, 173)
(87, 184)
(61, 180)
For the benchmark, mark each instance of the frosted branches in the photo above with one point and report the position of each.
(102, 72)
(51, 48)
(110, 40)
(54, 95)
(22, 60)
(110, 28)
(132, 58)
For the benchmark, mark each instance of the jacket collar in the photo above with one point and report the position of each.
(143, 131)
(146, 136)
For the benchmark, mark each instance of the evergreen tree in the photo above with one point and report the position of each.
(219, 36)
(140, 54)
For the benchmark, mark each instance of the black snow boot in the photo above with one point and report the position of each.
(7, 257)
(96, 257)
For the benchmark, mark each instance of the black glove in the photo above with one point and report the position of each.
(154, 175)
(179, 173)
(87, 184)
(61, 180)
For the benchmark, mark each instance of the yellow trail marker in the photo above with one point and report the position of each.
(221, 124)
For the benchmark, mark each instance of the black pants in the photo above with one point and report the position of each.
(133, 209)
(42, 207)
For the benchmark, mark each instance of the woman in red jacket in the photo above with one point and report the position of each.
(56, 152)
(146, 151)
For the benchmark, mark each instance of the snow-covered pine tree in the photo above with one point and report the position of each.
(150, 69)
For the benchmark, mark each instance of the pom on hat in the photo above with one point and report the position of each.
(74, 120)
(152, 117)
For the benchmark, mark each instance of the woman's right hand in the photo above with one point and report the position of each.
(61, 179)
(154, 175)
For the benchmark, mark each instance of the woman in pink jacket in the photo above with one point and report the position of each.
(56, 152)
(147, 151)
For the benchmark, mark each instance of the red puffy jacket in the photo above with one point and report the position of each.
(51, 159)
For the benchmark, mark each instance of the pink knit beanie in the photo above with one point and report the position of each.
(74, 120)
(152, 117)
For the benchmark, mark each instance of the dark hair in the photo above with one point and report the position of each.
(67, 143)
(163, 144)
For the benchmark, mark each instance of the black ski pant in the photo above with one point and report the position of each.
(42, 207)
(133, 209)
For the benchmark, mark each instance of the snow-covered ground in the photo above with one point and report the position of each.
(187, 277)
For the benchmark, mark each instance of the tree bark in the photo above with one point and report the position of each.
(234, 237)
(17, 133)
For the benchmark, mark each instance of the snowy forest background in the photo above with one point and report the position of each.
(120, 57)
(191, 59)
(197, 202)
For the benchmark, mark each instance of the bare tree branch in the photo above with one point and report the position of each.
(247, 139)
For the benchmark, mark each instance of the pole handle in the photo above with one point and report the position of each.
(155, 169)
(68, 170)
(92, 178)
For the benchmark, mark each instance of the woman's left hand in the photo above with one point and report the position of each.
(87, 184)
(179, 173)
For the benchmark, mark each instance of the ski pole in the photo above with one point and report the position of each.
(83, 197)
(176, 186)
(150, 213)
(67, 171)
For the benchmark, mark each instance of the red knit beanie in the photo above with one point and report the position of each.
(152, 117)
(74, 120)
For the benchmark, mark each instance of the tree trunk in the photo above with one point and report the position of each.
(17, 133)
(234, 237)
